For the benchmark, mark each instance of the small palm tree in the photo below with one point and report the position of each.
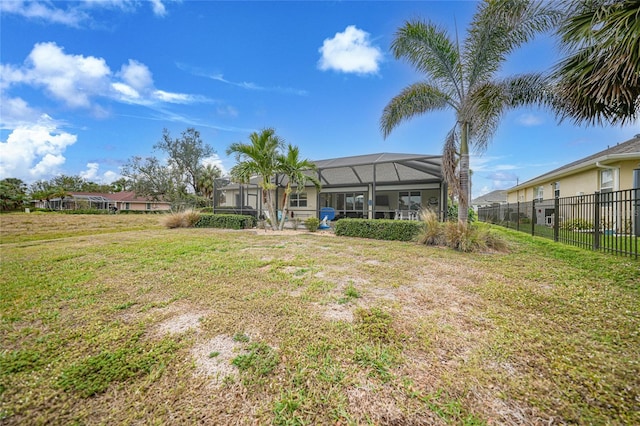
(296, 171)
(464, 79)
(599, 79)
(206, 178)
(259, 158)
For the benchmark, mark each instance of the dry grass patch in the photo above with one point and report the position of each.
(22, 227)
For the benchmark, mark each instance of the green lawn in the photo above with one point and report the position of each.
(116, 320)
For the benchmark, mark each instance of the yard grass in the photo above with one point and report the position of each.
(115, 320)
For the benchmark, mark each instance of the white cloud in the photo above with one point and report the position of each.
(78, 80)
(227, 111)
(10, 75)
(110, 176)
(34, 151)
(488, 164)
(74, 79)
(76, 13)
(529, 120)
(15, 112)
(92, 173)
(128, 93)
(350, 52)
(44, 11)
(215, 160)
(136, 75)
(158, 8)
(249, 85)
(174, 98)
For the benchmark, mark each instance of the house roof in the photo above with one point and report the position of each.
(128, 196)
(628, 150)
(497, 196)
(382, 167)
(386, 168)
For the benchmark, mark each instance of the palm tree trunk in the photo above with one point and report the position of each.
(285, 207)
(463, 196)
(273, 215)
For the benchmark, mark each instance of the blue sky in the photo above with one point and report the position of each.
(86, 85)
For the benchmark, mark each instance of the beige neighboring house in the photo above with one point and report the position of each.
(493, 198)
(122, 201)
(606, 171)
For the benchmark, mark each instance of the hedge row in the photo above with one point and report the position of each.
(380, 229)
(226, 221)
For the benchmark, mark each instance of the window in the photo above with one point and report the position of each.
(127, 206)
(298, 199)
(606, 185)
(606, 180)
(539, 193)
(556, 189)
(410, 200)
(148, 206)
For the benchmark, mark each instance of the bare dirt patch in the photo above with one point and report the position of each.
(337, 312)
(213, 358)
(181, 323)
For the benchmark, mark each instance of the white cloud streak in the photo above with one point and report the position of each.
(529, 120)
(77, 80)
(350, 52)
(243, 84)
(76, 13)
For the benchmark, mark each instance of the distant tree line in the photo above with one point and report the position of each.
(184, 178)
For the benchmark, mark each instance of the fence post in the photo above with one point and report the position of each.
(518, 216)
(596, 220)
(556, 218)
(534, 218)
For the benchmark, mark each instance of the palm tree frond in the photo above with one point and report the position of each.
(499, 27)
(429, 49)
(413, 100)
(489, 101)
(599, 80)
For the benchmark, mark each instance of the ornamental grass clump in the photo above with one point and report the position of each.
(465, 237)
(433, 233)
(185, 219)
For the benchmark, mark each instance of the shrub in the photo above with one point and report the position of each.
(226, 221)
(452, 213)
(295, 223)
(380, 229)
(84, 211)
(577, 224)
(312, 224)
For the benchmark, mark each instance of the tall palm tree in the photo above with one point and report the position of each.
(599, 79)
(259, 158)
(296, 171)
(465, 79)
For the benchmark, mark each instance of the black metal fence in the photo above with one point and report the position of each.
(608, 221)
